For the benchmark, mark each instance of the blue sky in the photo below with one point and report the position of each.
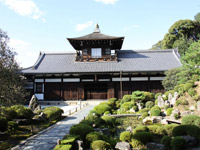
(44, 25)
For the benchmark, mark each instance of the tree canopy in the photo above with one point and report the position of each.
(11, 83)
(180, 35)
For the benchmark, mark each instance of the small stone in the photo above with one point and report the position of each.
(192, 108)
(58, 142)
(123, 146)
(155, 146)
(161, 102)
(198, 106)
(129, 129)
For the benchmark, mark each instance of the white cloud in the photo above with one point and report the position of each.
(107, 1)
(24, 8)
(80, 27)
(25, 56)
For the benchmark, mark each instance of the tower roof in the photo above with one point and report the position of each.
(83, 41)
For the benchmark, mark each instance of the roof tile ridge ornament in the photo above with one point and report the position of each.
(96, 29)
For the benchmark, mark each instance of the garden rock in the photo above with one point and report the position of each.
(192, 108)
(176, 111)
(129, 129)
(173, 100)
(132, 110)
(161, 102)
(155, 146)
(153, 119)
(170, 96)
(123, 146)
(164, 121)
(198, 106)
(185, 113)
(191, 141)
(34, 104)
(79, 143)
(139, 106)
(167, 103)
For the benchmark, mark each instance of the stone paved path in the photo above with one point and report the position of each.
(48, 138)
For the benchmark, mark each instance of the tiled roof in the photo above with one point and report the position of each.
(128, 61)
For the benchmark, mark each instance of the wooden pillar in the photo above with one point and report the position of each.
(149, 84)
(80, 89)
(62, 89)
(111, 90)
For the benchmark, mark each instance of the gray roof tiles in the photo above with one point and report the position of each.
(128, 61)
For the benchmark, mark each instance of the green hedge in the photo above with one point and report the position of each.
(126, 106)
(126, 98)
(53, 113)
(8, 113)
(169, 111)
(63, 147)
(189, 119)
(100, 145)
(102, 108)
(81, 130)
(93, 136)
(149, 104)
(22, 112)
(144, 137)
(140, 129)
(109, 120)
(178, 143)
(126, 136)
(166, 141)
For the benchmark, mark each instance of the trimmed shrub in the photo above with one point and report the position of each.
(53, 113)
(149, 104)
(135, 108)
(8, 113)
(140, 129)
(108, 120)
(187, 130)
(63, 147)
(157, 94)
(100, 145)
(187, 86)
(144, 115)
(92, 117)
(144, 110)
(3, 124)
(196, 97)
(189, 119)
(166, 141)
(169, 111)
(178, 143)
(156, 102)
(157, 130)
(155, 112)
(22, 112)
(144, 137)
(137, 143)
(197, 122)
(153, 128)
(12, 126)
(111, 102)
(182, 101)
(155, 107)
(126, 106)
(171, 91)
(69, 139)
(169, 128)
(149, 96)
(126, 98)
(125, 136)
(138, 96)
(192, 92)
(93, 136)
(102, 108)
(81, 130)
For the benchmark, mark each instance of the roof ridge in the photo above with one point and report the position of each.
(145, 51)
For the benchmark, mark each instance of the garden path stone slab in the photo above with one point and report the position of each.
(47, 139)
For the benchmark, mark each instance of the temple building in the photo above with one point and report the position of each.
(98, 69)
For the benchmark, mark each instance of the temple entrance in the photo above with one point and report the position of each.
(95, 91)
(52, 91)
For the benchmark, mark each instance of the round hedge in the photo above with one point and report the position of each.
(126, 106)
(178, 143)
(140, 129)
(125, 136)
(189, 119)
(22, 112)
(166, 141)
(102, 108)
(93, 136)
(108, 120)
(155, 112)
(81, 130)
(137, 143)
(169, 111)
(100, 145)
(144, 137)
(149, 104)
(126, 98)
